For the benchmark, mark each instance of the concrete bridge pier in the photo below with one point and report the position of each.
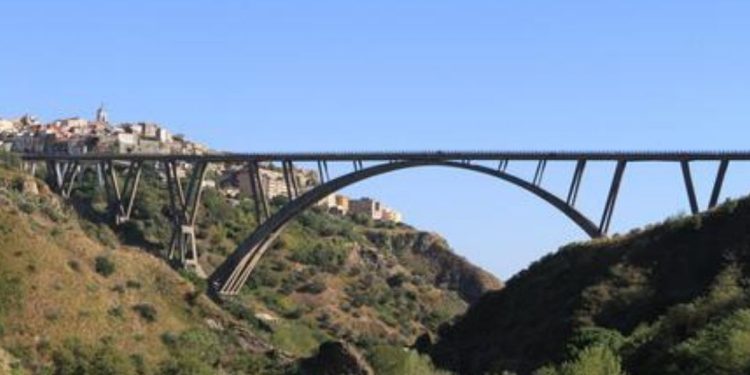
(62, 175)
(121, 199)
(184, 203)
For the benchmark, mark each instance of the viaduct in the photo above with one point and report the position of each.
(230, 276)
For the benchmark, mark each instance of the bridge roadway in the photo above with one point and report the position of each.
(430, 155)
(119, 176)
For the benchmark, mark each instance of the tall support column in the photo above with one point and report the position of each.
(614, 189)
(575, 184)
(262, 210)
(69, 178)
(689, 186)
(290, 179)
(325, 169)
(100, 174)
(55, 170)
(295, 181)
(184, 203)
(718, 183)
(321, 175)
(358, 165)
(539, 174)
(112, 188)
(61, 176)
(502, 165)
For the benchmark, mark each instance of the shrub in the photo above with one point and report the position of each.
(314, 287)
(146, 311)
(27, 207)
(594, 360)
(328, 257)
(391, 360)
(183, 365)
(10, 295)
(132, 284)
(594, 336)
(246, 363)
(116, 312)
(192, 352)
(74, 358)
(104, 266)
(264, 276)
(396, 280)
(297, 338)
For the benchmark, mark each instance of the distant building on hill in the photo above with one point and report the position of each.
(336, 204)
(7, 126)
(368, 207)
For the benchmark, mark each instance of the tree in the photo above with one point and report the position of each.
(594, 336)
(720, 348)
(594, 360)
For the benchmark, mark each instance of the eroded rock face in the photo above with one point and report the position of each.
(449, 269)
(30, 187)
(336, 358)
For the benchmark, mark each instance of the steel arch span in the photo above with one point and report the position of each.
(231, 275)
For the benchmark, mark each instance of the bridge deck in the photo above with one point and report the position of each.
(412, 156)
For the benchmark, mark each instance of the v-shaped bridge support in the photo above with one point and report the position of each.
(184, 203)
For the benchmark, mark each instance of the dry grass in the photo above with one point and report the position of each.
(63, 296)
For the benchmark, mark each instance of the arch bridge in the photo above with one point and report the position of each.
(64, 173)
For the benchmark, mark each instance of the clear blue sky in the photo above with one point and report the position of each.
(382, 75)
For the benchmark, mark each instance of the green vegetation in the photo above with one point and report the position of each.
(75, 358)
(298, 338)
(719, 348)
(594, 360)
(391, 360)
(193, 352)
(104, 266)
(146, 311)
(671, 299)
(10, 296)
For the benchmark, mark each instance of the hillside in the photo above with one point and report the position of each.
(670, 299)
(327, 277)
(73, 304)
(76, 293)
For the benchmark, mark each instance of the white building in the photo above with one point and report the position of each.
(7, 126)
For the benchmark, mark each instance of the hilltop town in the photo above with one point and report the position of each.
(77, 135)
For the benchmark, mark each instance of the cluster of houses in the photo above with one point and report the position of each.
(73, 136)
(79, 136)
